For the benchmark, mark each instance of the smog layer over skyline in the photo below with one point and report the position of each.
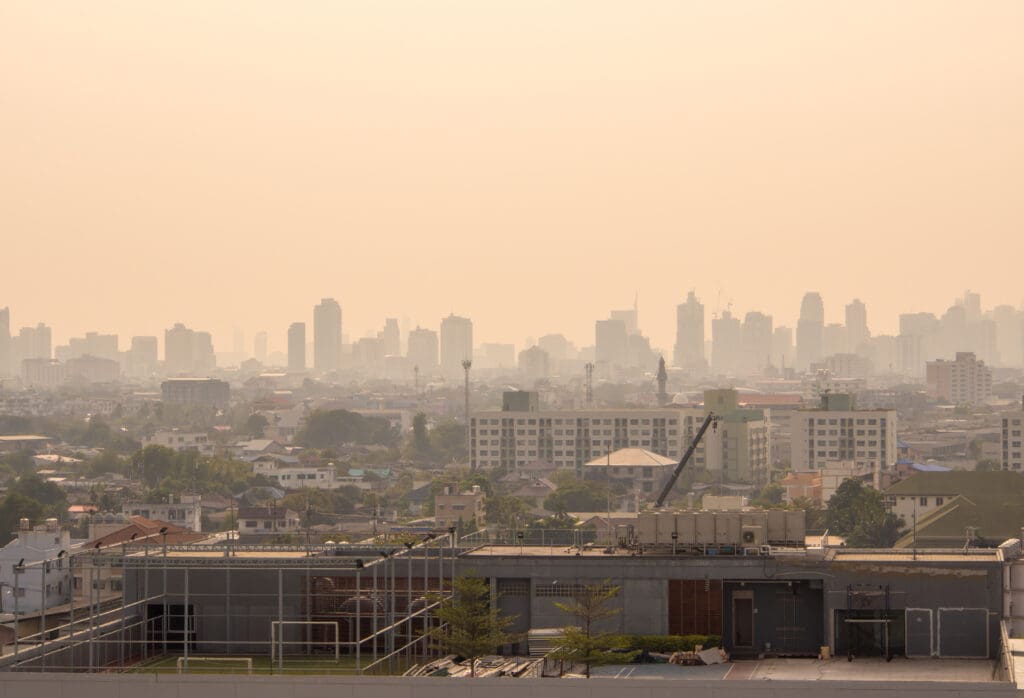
(531, 167)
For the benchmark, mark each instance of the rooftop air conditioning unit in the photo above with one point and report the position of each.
(753, 536)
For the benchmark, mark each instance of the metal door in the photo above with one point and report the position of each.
(919, 632)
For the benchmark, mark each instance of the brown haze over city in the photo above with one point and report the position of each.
(531, 165)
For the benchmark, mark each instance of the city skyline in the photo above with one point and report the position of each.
(274, 340)
(714, 148)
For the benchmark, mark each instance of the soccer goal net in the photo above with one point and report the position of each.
(219, 665)
(278, 642)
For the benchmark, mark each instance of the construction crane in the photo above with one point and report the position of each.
(711, 419)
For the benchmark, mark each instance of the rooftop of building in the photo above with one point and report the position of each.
(630, 457)
(968, 483)
(984, 519)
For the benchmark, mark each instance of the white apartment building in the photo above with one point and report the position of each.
(296, 477)
(838, 433)
(966, 380)
(739, 446)
(34, 568)
(1011, 439)
(181, 441)
(187, 511)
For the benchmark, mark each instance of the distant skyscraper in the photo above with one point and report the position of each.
(188, 352)
(142, 357)
(835, 341)
(1009, 335)
(611, 343)
(689, 349)
(726, 339)
(104, 346)
(203, 357)
(178, 348)
(327, 335)
(810, 331)
(782, 347)
(423, 349)
(557, 346)
(857, 333)
(5, 341)
(757, 342)
(391, 337)
(297, 346)
(30, 343)
(456, 343)
(259, 347)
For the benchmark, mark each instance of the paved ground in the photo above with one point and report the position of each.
(874, 669)
(867, 669)
(715, 672)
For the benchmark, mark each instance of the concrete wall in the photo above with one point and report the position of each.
(174, 686)
(253, 597)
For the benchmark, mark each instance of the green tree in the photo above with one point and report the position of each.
(335, 428)
(20, 462)
(420, 437)
(858, 513)
(448, 441)
(153, 463)
(578, 496)
(15, 506)
(255, 425)
(470, 626)
(106, 462)
(585, 641)
(986, 465)
(504, 511)
(815, 521)
(768, 497)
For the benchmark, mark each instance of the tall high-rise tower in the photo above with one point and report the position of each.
(857, 332)
(327, 335)
(297, 346)
(179, 347)
(391, 337)
(456, 343)
(5, 341)
(423, 349)
(810, 331)
(689, 349)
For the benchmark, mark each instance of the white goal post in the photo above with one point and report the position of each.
(275, 632)
(247, 660)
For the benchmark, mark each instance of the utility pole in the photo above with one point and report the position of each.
(466, 365)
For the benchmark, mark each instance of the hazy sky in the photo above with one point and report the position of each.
(530, 164)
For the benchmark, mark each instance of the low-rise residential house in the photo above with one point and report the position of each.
(267, 520)
(187, 511)
(452, 507)
(77, 512)
(984, 494)
(181, 441)
(641, 470)
(294, 476)
(537, 490)
(257, 447)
